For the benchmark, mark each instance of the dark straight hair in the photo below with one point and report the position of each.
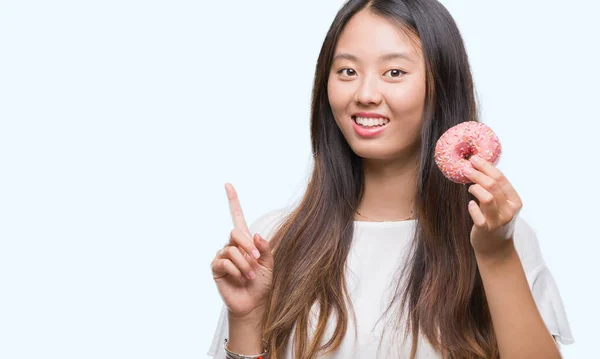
(439, 289)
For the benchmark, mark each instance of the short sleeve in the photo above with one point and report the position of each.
(266, 225)
(216, 348)
(541, 282)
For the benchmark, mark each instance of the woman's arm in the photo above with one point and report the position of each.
(518, 324)
(245, 334)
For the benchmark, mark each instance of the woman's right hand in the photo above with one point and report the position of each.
(243, 281)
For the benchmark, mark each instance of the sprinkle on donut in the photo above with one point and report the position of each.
(459, 143)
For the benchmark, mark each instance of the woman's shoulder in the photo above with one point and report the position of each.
(267, 223)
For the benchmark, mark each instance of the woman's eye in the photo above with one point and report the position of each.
(395, 72)
(349, 72)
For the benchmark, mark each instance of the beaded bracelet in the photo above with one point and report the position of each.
(232, 355)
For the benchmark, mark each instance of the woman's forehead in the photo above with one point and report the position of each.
(367, 35)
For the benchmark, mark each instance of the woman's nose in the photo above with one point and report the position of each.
(368, 93)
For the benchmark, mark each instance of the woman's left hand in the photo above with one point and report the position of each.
(495, 216)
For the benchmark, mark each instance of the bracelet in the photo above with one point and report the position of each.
(232, 355)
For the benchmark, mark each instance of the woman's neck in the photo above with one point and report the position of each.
(390, 190)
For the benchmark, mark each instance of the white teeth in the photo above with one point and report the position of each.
(368, 122)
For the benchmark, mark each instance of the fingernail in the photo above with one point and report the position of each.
(256, 253)
(468, 171)
(477, 160)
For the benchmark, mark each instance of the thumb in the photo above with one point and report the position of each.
(264, 247)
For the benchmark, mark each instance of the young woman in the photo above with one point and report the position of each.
(384, 257)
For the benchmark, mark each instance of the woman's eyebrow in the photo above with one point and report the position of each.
(385, 57)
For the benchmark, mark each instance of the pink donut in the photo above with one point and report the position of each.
(459, 143)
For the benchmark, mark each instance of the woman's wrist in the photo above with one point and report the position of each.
(498, 257)
(234, 355)
(245, 333)
(253, 316)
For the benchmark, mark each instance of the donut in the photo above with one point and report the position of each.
(454, 148)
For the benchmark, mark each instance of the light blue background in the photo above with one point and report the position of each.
(122, 120)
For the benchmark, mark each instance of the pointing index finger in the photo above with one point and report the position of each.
(237, 216)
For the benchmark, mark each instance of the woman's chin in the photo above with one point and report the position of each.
(373, 153)
(381, 153)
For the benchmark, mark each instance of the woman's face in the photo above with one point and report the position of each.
(378, 72)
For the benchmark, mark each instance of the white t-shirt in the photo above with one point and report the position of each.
(378, 250)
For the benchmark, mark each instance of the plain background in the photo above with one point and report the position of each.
(122, 120)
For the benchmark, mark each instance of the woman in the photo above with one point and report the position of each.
(384, 257)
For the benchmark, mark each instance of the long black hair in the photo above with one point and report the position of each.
(442, 293)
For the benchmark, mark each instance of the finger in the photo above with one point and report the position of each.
(487, 202)
(266, 255)
(485, 181)
(237, 215)
(233, 254)
(241, 239)
(493, 172)
(477, 215)
(223, 267)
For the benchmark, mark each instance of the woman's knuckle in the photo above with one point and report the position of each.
(488, 184)
(519, 205)
(487, 200)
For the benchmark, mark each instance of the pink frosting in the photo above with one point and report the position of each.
(460, 142)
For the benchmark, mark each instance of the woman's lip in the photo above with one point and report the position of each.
(369, 115)
(367, 132)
